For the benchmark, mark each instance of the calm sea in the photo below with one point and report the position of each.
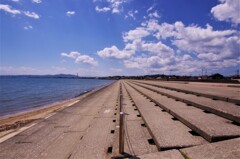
(18, 94)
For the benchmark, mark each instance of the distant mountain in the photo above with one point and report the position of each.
(49, 76)
(43, 76)
(63, 76)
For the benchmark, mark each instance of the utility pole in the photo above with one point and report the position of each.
(237, 73)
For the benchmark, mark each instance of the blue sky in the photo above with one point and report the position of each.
(119, 37)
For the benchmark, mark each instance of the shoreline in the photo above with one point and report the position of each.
(13, 122)
(32, 109)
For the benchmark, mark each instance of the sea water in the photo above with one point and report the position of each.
(18, 94)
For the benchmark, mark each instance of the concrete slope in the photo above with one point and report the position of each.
(170, 154)
(166, 132)
(97, 141)
(221, 108)
(229, 149)
(136, 133)
(229, 94)
(209, 126)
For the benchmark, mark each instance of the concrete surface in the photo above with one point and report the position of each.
(43, 139)
(136, 135)
(166, 132)
(170, 154)
(90, 127)
(229, 149)
(231, 94)
(209, 126)
(225, 109)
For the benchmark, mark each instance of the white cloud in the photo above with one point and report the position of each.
(163, 47)
(9, 9)
(70, 13)
(213, 49)
(135, 34)
(32, 14)
(28, 27)
(218, 44)
(131, 14)
(72, 54)
(186, 57)
(154, 15)
(15, 0)
(157, 48)
(178, 65)
(86, 59)
(104, 9)
(135, 45)
(195, 48)
(114, 52)
(228, 10)
(115, 6)
(148, 62)
(37, 1)
(79, 58)
(150, 8)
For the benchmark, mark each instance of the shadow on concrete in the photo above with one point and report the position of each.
(125, 155)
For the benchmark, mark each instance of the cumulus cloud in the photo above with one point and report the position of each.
(213, 49)
(150, 8)
(79, 58)
(115, 6)
(154, 15)
(218, 44)
(32, 14)
(104, 9)
(181, 65)
(37, 1)
(157, 48)
(115, 53)
(72, 54)
(9, 9)
(28, 27)
(189, 48)
(70, 13)
(163, 47)
(86, 59)
(148, 62)
(227, 10)
(131, 14)
(135, 34)
(214, 44)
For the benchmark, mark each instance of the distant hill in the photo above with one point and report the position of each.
(63, 76)
(48, 76)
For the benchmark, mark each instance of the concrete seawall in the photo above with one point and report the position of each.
(164, 121)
